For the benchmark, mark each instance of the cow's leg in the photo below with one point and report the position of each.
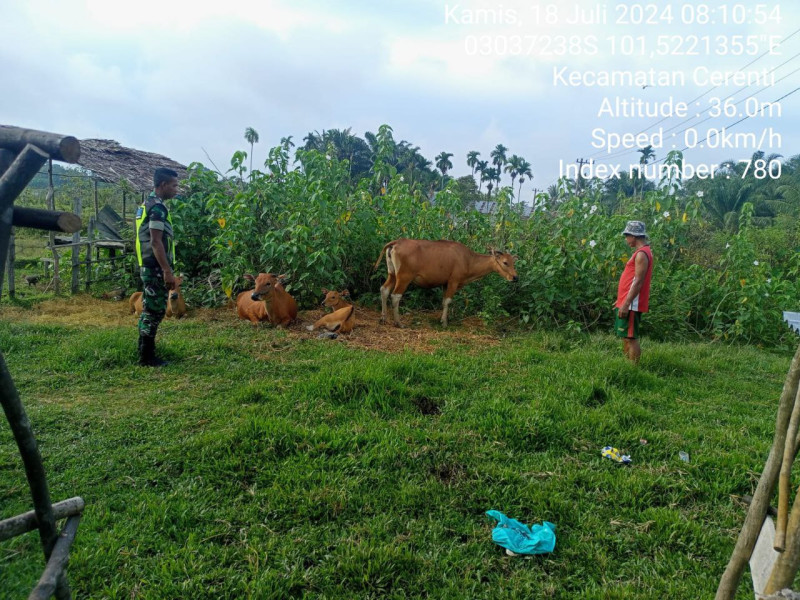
(400, 286)
(386, 289)
(449, 292)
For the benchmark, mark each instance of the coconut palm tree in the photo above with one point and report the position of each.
(472, 160)
(443, 164)
(480, 167)
(524, 173)
(512, 167)
(490, 175)
(499, 157)
(251, 135)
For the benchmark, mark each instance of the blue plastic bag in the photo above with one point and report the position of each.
(521, 539)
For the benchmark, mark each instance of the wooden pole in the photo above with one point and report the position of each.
(26, 522)
(784, 480)
(76, 249)
(29, 451)
(12, 257)
(89, 254)
(13, 181)
(49, 220)
(766, 484)
(61, 147)
(52, 580)
(51, 205)
(124, 202)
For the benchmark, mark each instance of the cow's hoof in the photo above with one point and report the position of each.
(309, 328)
(399, 325)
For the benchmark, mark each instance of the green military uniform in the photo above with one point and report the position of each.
(153, 214)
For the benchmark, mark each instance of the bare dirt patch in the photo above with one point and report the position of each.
(422, 331)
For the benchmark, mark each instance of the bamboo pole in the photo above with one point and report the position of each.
(784, 480)
(766, 484)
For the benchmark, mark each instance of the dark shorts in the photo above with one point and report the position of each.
(629, 326)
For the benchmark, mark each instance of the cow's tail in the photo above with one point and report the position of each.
(380, 257)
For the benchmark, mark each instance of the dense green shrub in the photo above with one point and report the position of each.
(313, 225)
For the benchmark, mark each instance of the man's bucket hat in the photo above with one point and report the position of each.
(635, 228)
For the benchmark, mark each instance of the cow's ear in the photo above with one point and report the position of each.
(249, 277)
(345, 293)
(325, 291)
(282, 279)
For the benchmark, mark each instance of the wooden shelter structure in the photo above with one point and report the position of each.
(22, 153)
(112, 163)
(109, 162)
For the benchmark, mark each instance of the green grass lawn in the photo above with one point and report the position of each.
(261, 465)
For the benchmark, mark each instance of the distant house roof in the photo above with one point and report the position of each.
(488, 207)
(110, 162)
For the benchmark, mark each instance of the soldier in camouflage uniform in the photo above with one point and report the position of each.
(155, 250)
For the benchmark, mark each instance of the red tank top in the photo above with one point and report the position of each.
(642, 301)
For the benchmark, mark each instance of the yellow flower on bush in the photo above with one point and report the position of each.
(221, 222)
(658, 205)
(742, 281)
(583, 242)
(228, 291)
(230, 243)
(685, 217)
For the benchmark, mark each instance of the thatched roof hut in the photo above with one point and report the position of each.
(110, 162)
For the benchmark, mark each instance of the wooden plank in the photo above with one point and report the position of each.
(26, 522)
(763, 557)
(60, 147)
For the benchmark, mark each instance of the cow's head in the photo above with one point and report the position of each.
(265, 283)
(504, 264)
(175, 292)
(333, 298)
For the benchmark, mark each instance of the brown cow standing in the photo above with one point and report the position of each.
(176, 306)
(281, 307)
(432, 264)
(343, 317)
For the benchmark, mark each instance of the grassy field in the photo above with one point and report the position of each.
(266, 464)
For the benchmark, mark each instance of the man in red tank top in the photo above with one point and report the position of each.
(633, 292)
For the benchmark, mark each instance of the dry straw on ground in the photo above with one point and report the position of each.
(422, 332)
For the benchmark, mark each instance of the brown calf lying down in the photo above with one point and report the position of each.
(176, 307)
(343, 317)
(430, 264)
(280, 307)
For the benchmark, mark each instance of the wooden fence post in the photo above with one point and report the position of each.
(12, 257)
(76, 248)
(51, 205)
(89, 254)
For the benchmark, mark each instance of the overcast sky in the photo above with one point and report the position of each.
(179, 77)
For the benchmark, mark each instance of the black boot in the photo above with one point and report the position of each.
(147, 352)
